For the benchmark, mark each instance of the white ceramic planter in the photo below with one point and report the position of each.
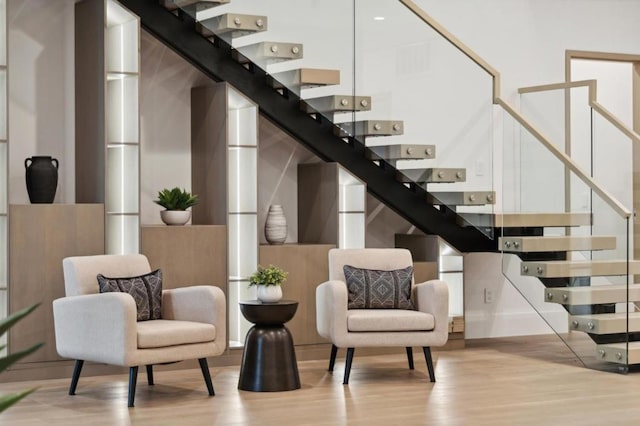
(269, 294)
(175, 217)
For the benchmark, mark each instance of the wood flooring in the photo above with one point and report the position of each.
(507, 381)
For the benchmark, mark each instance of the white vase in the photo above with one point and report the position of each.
(269, 294)
(175, 217)
(275, 227)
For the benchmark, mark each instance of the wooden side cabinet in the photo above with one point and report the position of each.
(40, 236)
(308, 266)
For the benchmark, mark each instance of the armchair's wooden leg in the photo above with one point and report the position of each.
(204, 366)
(410, 357)
(332, 360)
(347, 366)
(76, 376)
(150, 374)
(133, 379)
(427, 357)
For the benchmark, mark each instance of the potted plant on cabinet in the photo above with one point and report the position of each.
(176, 201)
(268, 281)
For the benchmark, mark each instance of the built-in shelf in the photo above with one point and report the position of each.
(107, 118)
(331, 206)
(224, 167)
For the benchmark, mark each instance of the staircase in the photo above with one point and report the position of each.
(551, 247)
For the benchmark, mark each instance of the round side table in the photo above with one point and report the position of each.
(268, 359)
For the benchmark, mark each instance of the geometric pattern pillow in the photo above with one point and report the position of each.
(146, 290)
(374, 289)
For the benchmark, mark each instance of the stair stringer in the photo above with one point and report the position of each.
(317, 135)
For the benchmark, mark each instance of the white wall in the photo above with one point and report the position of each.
(41, 91)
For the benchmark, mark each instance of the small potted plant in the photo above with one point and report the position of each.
(268, 281)
(176, 201)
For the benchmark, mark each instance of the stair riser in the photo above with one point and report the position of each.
(334, 104)
(370, 128)
(578, 269)
(617, 353)
(304, 78)
(199, 5)
(604, 326)
(402, 152)
(526, 220)
(268, 52)
(470, 198)
(592, 295)
(232, 25)
(435, 175)
(546, 244)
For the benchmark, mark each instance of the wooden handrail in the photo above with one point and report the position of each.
(566, 160)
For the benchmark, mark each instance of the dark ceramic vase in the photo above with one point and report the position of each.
(42, 178)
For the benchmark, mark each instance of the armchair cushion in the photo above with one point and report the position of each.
(389, 320)
(145, 289)
(162, 333)
(377, 289)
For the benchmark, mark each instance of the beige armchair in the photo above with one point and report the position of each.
(425, 326)
(103, 327)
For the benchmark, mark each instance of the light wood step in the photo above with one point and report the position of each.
(617, 352)
(579, 268)
(401, 152)
(232, 25)
(524, 220)
(370, 128)
(304, 78)
(199, 5)
(432, 175)
(269, 51)
(336, 103)
(463, 198)
(605, 323)
(592, 295)
(560, 243)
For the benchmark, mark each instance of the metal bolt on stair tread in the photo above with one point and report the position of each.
(295, 50)
(539, 269)
(377, 126)
(526, 269)
(549, 296)
(344, 102)
(472, 197)
(489, 197)
(565, 297)
(428, 151)
(364, 102)
(507, 244)
(440, 174)
(396, 127)
(515, 244)
(274, 48)
(618, 355)
(259, 23)
(575, 324)
(591, 325)
(237, 21)
(602, 353)
(409, 151)
(459, 175)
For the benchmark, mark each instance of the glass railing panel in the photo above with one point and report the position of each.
(579, 292)
(441, 99)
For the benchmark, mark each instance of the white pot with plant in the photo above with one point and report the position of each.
(176, 201)
(268, 281)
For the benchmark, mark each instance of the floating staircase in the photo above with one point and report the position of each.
(208, 44)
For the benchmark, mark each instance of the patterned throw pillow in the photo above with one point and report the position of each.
(373, 289)
(145, 289)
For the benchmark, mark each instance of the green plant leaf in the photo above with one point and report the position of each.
(8, 400)
(10, 359)
(176, 199)
(7, 322)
